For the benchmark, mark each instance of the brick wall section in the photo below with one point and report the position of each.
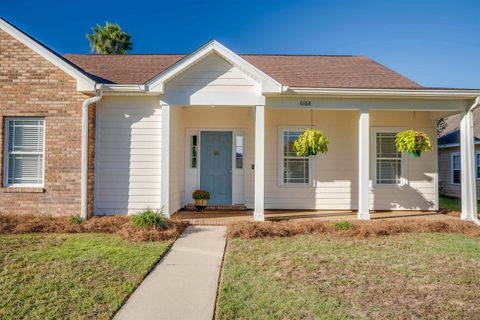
(32, 86)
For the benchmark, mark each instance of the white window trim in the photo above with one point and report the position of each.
(373, 155)
(476, 167)
(454, 154)
(6, 155)
(238, 175)
(280, 158)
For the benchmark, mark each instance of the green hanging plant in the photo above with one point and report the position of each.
(310, 142)
(413, 142)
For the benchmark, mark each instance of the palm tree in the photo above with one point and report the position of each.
(109, 39)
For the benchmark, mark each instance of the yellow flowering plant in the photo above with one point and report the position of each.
(310, 142)
(413, 142)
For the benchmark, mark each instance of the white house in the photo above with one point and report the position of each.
(166, 125)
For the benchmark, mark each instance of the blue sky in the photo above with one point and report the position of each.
(436, 43)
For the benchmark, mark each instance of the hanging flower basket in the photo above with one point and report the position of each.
(310, 142)
(413, 142)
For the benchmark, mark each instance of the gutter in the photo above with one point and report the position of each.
(475, 104)
(399, 93)
(84, 165)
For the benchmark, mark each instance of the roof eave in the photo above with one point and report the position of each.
(390, 93)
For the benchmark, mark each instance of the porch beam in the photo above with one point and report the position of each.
(468, 172)
(258, 213)
(165, 168)
(364, 165)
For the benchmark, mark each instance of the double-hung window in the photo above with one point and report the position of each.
(296, 170)
(456, 172)
(477, 162)
(24, 151)
(388, 159)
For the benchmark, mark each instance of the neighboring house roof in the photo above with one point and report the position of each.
(290, 70)
(453, 123)
(452, 139)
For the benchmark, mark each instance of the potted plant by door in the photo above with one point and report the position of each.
(413, 142)
(201, 198)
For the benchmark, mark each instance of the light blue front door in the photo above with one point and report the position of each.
(216, 166)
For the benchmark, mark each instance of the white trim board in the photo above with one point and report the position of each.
(269, 85)
(192, 175)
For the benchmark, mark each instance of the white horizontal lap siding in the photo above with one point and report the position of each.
(213, 80)
(419, 191)
(128, 155)
(334, 175)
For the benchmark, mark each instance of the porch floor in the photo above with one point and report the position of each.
(219, 217)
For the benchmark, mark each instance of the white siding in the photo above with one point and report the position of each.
(128, 155)
(177, 159)
(335, 175)
(213, 81)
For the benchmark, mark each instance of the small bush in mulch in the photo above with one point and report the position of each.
(343, 225)
(121, 225)
(149, 218)
(359, 229)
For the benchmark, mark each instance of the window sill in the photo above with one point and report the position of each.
(23, 190)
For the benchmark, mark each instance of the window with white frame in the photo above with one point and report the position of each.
(456, 172)
(239, 151)
(295, 169)
(24, 151)
(193, 151)
(477, 162)
(388, 159)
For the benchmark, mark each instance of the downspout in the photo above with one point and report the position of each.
(84, 171)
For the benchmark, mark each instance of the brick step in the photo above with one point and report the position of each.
(235, 207)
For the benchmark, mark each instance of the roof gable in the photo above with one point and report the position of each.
(157, 84)
(84, 83)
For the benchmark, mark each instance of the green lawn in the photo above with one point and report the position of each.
(70, 276)
(409, 276)
(453, 204)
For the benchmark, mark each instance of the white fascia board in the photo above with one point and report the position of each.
(123, 88)
(84, 83)
(451, 145)
(391, 93)
(269, 85)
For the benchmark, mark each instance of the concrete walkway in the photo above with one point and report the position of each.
(184, 283)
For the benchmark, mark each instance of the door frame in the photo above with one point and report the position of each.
(192, 175)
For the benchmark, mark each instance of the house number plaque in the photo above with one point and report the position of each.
(305, 103)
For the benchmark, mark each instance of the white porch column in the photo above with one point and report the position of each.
(258, 213)
(467, 162)
(165, 186)
(364, 166)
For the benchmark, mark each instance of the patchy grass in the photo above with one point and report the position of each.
(405, 276)
(453, 204)
(121, 225)
(71, 276)
(358, 229)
